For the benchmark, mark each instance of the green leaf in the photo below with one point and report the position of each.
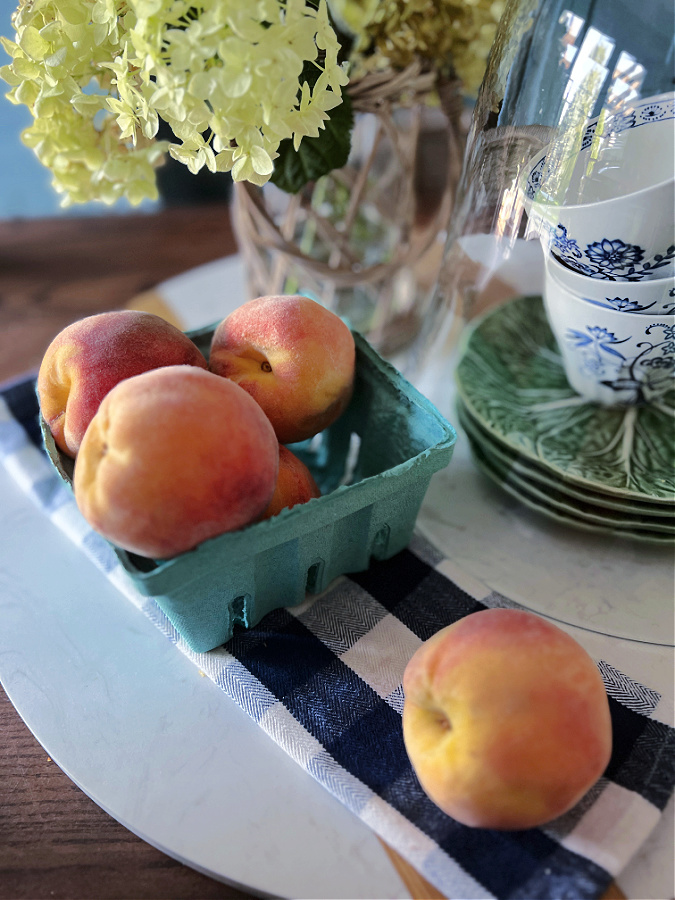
(316, 156)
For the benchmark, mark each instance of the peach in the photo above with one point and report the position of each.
(295, 484)
(505, 720)
(292, 355)
(92, 355)
(172, 457)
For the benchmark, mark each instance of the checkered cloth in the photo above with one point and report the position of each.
(323, 680)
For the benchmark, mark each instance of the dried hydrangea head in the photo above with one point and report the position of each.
(454, 36)
(226, 76)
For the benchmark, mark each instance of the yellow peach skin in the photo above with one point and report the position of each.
(506, 720)
(295, 484)
(173, 457)
(92, 355)
(293, 356)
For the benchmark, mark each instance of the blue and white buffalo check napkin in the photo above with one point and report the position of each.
(323, 680)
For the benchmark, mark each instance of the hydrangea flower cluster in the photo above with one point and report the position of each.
(226, 75)
(239, 82)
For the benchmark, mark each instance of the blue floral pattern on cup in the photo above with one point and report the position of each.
(637, 379)
(653, 111)
(593, 343)
(608, 259)
(625, 304)
(614, 255)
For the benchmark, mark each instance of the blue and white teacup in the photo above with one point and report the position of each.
(655, 296)
(607, 209)
(611, 358)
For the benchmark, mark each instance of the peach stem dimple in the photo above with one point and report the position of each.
(443, 721)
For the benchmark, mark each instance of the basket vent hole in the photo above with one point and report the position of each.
(314, 574)
(352, 458)
(381, 542)
(238, 611)
(316, 443)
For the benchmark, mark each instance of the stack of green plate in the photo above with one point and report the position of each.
(600, 468)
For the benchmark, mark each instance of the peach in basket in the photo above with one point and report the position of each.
(173, 457)
(90, 356)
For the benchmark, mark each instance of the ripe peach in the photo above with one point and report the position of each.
(90, 356)
(173, 457)
(295, 484)
(505, 720)
(292, 355)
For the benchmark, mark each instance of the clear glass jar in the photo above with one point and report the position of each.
(363, 240)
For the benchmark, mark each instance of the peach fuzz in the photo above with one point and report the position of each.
(90, 356)
(173, 457)
(293, 356)
(506, 720)
(295, 484)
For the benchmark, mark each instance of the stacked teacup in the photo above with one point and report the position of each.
(606, 217)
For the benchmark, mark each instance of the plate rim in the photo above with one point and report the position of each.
(531, 472)
(563, 518)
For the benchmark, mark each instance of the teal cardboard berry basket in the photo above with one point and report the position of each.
(373, 466)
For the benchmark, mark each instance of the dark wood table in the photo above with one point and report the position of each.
(53, 271)
(54, 841)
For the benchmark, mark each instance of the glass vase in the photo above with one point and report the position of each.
(366, 240)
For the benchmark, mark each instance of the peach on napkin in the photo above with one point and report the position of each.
(506, 719)
(293, 356)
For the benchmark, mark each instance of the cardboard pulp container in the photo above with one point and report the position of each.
(373, 467)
